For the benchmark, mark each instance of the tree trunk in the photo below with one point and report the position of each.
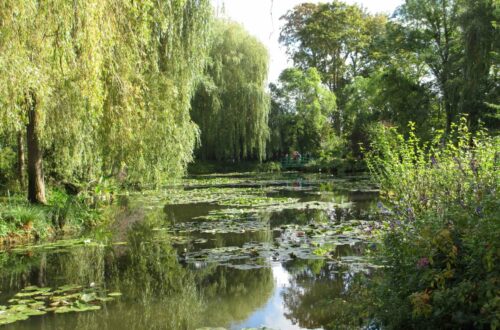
(36, 185)
(20, 159)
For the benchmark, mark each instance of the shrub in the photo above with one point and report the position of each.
(63, 213)
(442, 251)
(17, 218)
(269, 167)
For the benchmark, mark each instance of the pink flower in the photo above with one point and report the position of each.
(423, 262)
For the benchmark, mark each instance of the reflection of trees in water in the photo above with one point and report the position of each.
(300, 217)
(317, 295)
(231, 295)
(161, 293)
(185, 212)
(239, 239)
(158, 293)
(43, 268)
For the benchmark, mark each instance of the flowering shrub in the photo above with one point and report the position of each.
(442, 252)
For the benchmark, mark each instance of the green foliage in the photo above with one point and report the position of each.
(336, 165)
(301, 115)
(392, 96)
(433, 27)
(16, 218)
(7, 161)
(481, 44)
(269, 167)
(158, 54)
(334, 37)
(455, 40)
(431, 62)
(20, 220)
(231, 105)
(111, 82)
(442, 252)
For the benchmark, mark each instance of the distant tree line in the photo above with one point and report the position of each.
(429, 62)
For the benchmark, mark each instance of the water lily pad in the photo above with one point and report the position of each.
(68, 298)
(114, 294)
(105, 299)
(68, 288)
(35, 312)
(88, 297)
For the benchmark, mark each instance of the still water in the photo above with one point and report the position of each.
(233, 252)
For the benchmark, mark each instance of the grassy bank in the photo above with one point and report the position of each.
(63, 214)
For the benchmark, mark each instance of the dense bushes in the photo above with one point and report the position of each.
(442, 253)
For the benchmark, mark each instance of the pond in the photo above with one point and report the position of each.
(220, 251)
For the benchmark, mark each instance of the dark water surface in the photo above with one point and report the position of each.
(232, 252)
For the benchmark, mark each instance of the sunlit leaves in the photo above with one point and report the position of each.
(112, 82)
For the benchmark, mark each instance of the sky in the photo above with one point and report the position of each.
(261, 19)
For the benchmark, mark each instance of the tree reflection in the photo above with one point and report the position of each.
(158, 293)
(232, 295)
(320, 295)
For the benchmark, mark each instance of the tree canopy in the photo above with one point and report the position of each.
(428, 63)
(133, 90)
(103, 94)
(301, 114)
(231, 104)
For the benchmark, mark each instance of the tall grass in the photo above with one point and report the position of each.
(19, 219)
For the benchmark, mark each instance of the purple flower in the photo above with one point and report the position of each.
(422, 262)
(411, 214)
(479, 210)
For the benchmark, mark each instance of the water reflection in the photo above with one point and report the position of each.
(314, 284)
(304, 295)
(160, 292)
(273, 312)
(233, 295)
(157, 290)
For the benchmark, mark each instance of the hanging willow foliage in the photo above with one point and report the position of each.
(51, 60)
(150, 81)
(231, 105)
(109, 80)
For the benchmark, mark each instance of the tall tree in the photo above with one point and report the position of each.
(302, 113)
(47, 48)
(336, 39)
(434, 25)
(396, 92)
(231, 104)
(101, 86)
(156, 57)
(479, 39)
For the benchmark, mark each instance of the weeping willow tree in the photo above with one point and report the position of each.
(101, 86)
(158, 54)
(231, 105)
(50, 63)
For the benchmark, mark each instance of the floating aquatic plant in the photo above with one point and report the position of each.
(32, 301)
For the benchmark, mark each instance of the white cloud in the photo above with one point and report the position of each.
(261, 19)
